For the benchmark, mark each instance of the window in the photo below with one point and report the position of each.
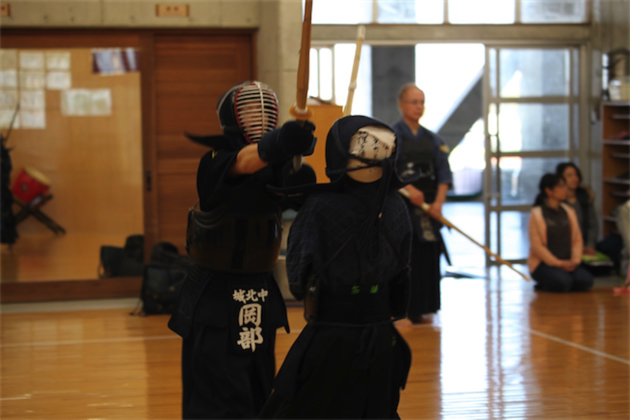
(330, 72)
(451, 11)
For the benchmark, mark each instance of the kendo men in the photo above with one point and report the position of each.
(424, 149)
(230, 305)
(348, 258)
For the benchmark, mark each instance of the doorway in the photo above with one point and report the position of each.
(532, 109)
(181, 75)
(509, 113)
(78, 125)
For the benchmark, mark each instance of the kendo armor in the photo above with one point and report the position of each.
(364, 147)
(234, 237)
(249, 109)
(418, 157)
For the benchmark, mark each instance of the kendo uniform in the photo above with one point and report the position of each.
(8, 224)
(230, 305)
(347, 257)
(429, 151)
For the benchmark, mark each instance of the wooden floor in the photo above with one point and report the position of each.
(41, 257)
(45, 266)
(496, 350)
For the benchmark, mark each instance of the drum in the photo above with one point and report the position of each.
(30, 184)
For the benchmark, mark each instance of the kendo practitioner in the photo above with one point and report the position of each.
(230, 305)
(8, 225)
(348, 259)
(426, 150)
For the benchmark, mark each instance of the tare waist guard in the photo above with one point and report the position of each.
(246, 244)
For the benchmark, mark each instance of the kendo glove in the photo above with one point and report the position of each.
(294, 138)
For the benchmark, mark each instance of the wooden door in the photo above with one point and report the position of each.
(188, 75)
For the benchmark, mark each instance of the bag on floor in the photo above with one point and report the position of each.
(127, 261)
(163, 278)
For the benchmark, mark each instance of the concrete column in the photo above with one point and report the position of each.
(278, 49)
(392, 67)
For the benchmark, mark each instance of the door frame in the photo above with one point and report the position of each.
(579, 139)
(142, 39)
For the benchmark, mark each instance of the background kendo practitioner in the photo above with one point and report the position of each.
(230, 306)
(425, 151)
(348, 258)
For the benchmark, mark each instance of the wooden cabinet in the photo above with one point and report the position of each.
(615, 161)
(324, 116)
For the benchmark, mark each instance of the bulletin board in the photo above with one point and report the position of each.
(79, 123)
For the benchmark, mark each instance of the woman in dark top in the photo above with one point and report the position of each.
(555, 240)
(581, 200)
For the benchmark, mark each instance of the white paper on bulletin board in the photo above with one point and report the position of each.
(58, 60)
(102, 102)
(6, 115)
(8, 78)
(33, 119)
(32, 79)
(58, 80)
(32, 100)
(76, 102)
(8, 98)
(86, 102)
(31, 60)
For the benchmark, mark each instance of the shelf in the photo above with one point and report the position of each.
(616, 142)
(616, 103)
(617, 181)
(615, 159)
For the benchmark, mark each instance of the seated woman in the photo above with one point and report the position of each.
(581, 200)
(555, 240)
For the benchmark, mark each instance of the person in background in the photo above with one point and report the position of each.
(581, 200)
(555, 240)
(424, 149)
(230, 305)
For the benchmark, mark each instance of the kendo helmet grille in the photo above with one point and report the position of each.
(256, 109)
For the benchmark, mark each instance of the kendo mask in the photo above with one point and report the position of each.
(359, 147)
(249, 109)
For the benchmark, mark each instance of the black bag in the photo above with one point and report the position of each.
(123, 262)
(111, 258)
(163, 278)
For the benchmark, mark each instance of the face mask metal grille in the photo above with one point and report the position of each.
(256, 109)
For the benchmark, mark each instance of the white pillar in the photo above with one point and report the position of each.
(279, 48)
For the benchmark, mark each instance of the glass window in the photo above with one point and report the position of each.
(326, 74)
(492, 65)
(576, 72)
(481, 11)
(459, 11)
(313, 74)
(344, 60)
(534, 73)
(532, 127)
(396, 11)
(342, 11)
(410, 11)
(430, 11)
(556, 11)
(520, 177)
(514, 235)
(446, 73)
